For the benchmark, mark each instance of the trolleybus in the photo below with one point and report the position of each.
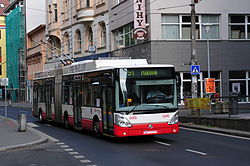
(121, 98)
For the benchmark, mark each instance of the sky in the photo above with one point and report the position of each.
(36, 13)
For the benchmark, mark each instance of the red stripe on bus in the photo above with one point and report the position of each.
(143, 129)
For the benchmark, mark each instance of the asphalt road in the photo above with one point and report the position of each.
(189, 147)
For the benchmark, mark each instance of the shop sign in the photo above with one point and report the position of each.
(210, 85)
(140, 33)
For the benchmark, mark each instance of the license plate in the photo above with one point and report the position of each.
(150, 132)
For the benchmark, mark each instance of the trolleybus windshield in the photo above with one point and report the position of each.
(146, 89)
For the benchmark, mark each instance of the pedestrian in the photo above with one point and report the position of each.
(9, 98)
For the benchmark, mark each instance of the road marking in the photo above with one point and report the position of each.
(32, 125)
(85, 161)
(211, 132)
(60, 143)
(64, 146)
(92, 165)
(162, 143)
(68, 150)
(73, 153)
(79, 157)
(197, 152)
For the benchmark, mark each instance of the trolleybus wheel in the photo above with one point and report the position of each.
(66, 121)
(40, 116)
(96, 128)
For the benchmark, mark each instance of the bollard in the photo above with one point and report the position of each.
(233, 104)
(21, 122)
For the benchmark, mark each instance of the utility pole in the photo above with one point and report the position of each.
(194, 85)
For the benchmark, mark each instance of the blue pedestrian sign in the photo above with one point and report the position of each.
(195, 69)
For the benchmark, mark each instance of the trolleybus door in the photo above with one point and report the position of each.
(77, 104)
(48, 99)
(107, 97)
(35, 100)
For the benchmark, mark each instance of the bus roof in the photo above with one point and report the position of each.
(98, 65)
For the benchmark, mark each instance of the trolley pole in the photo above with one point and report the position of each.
(194, 85)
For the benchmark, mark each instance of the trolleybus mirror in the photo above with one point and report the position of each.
(178, 79)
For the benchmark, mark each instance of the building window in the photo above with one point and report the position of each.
(103, 35)
(55, 13)
(87, 3)
(66, 43)
(1, 70)
(123, 37)
(49, 14)
(179, 26)
(78, 41)
(239, 84)
(65, 9)
(186, 84)
(239, 27)
(0, 54)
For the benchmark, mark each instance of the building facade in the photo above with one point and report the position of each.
(3, 5)
(36, 55)
(82, 29)
(76, 30)
(224, 25)
(16, 49)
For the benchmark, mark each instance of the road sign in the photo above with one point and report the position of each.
(210, 85)
(4, 81)
(195, 69)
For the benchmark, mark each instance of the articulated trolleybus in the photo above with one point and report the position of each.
(115, 97)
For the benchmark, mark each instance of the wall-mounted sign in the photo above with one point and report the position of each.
(139, 14)
(210, 85)
(140, 33)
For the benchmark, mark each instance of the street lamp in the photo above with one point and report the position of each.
(207, 28)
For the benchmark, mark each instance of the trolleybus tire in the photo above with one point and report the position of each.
(66, 121)
(96, 128)
(40, 116)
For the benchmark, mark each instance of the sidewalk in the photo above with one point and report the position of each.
(11, 139)
(19, 105)
(235, 124)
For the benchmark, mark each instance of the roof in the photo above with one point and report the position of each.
(98, 65)
(6, 4)
(39, 27)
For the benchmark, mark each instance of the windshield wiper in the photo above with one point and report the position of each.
(133, 108)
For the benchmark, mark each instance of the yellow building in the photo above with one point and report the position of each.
(2, 53)
(2, 47)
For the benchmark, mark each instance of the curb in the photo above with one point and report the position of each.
(217, 130)
(44, 138)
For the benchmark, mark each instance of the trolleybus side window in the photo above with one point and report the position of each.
(67, 93)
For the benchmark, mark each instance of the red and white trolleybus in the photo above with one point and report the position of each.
(115, 97)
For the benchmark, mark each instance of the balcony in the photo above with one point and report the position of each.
(85, 15)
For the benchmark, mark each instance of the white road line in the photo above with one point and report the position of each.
(79, 157)
(73, 153)
(60, 143)
(215, 133)
(85, 161)
(197, 152)
(32, 125)
(92, 165)
(162, 143)
(47, 125)
(64, 146)
(68, 150)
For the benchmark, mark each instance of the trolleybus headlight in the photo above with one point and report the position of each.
(174, 120)
(122, 121)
